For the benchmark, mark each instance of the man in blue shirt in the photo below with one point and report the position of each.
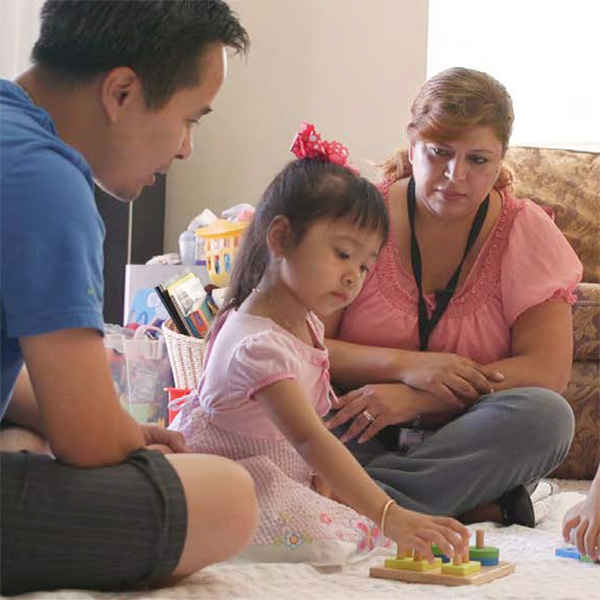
(114, 92)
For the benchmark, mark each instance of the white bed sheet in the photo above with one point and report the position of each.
(539, 574)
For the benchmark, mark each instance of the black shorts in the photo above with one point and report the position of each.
(108, 528)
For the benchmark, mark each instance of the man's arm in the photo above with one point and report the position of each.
(78, 409)
(23, 409)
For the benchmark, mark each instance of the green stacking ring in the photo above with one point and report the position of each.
(482, 553)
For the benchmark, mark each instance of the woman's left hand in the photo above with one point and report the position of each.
(386, 403)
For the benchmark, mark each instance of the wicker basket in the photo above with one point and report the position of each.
(186, 355)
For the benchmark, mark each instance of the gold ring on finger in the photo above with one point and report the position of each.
(368, 416)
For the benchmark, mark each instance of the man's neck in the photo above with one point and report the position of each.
(74, 109)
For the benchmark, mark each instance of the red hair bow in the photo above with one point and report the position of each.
(308, 144)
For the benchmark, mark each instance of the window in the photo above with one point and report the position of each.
(544, 51)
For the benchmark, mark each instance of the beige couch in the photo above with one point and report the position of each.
(569, 183)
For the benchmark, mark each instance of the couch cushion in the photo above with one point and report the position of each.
(582, 394)
(569, 183)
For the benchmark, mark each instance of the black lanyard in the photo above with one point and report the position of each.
(442, 297)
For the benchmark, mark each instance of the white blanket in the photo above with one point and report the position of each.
(539, 574)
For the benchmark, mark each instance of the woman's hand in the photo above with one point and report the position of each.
(415, 531)
(581, 525)
(449, 377)
(388, 404)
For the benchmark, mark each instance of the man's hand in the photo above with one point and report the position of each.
(154, 435)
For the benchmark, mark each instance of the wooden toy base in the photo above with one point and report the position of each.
(435, 576)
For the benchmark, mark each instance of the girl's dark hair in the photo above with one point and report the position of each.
(305, 191)
(161, 40)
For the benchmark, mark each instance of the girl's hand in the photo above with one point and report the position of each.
(415, 531)
(581, 526)
(449, 376)
(388, 404)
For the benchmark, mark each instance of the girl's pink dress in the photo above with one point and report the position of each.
(525, 261)
(247, 353)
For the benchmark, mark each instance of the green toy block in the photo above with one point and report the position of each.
(465, 569)
(486, 553)
(409, 564)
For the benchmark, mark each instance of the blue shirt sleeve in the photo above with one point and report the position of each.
(52, 236)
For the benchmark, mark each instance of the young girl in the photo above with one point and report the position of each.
(265, 386)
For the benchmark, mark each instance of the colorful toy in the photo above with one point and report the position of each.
(488, 556)
(221, 243)
(460, 571)
(572, 552)
(439, 554)
(412, 563)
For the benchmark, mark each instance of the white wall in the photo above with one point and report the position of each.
(351, 67)
(19, 28)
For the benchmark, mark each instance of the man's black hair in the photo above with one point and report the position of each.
(161, 40)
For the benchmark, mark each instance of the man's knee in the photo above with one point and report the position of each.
(15, 439)
(222, 510)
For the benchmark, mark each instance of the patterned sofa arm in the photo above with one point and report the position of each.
(586, 322)
(583, 390)
(566, 182)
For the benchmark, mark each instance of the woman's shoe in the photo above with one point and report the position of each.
(516, 507)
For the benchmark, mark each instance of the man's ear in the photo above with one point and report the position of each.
(120, 89)
(279, 236)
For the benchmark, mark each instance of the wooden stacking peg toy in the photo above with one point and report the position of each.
(462, 570)
(486, 555)
(406, 561)
(439, 554)
(461, 565)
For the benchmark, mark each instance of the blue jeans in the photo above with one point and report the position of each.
(506, 439)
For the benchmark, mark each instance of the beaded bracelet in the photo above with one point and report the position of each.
(384, 515)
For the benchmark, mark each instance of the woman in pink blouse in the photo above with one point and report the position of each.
(460, 342)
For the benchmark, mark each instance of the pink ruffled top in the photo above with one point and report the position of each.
(525, 261)
(247, 353)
